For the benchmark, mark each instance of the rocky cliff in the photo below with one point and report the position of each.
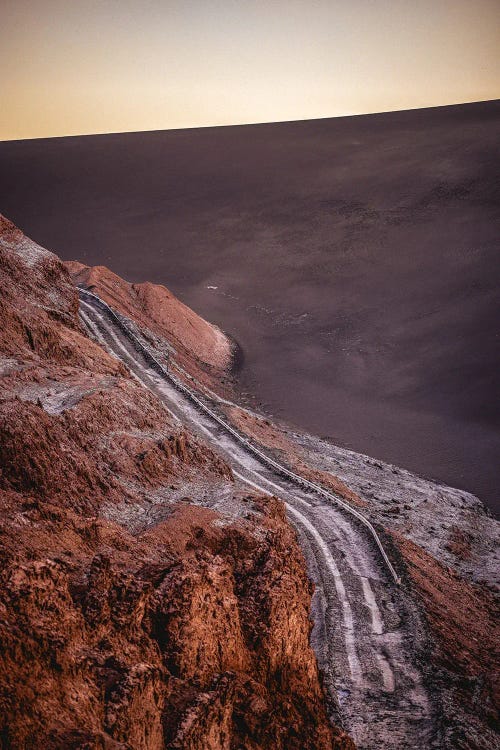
(196, 343)
(442, 539)
(145, 601)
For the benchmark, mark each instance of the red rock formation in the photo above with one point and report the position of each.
(154, 307)
(187, 635)
(131, 619)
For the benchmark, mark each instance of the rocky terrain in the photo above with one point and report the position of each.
(354, 259)
(155, 595)
(445, 542)
(147, 600)
(156, 308)
(448, 548)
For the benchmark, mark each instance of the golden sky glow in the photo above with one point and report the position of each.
(90, 66)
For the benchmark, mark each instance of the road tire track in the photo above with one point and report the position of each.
(369, 667)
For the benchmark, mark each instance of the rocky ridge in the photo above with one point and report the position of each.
(153, 307)
(446, 545)
(146, 601)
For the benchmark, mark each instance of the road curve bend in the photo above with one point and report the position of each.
(366, 627)
(282, 470)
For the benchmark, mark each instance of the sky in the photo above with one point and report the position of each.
(89, 66)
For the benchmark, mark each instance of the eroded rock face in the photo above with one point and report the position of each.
(154, 307)
(153, 644)
(131, 619)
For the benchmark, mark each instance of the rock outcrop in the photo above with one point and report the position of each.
(155, 308)
(132, 618)
(191, 635)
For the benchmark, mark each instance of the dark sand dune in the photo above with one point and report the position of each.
(354, 259)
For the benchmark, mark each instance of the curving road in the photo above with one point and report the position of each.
(366, 627)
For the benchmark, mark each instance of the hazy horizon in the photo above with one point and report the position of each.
(262, 122)
(113, 67)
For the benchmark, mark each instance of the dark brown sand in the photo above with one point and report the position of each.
(355, 260)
